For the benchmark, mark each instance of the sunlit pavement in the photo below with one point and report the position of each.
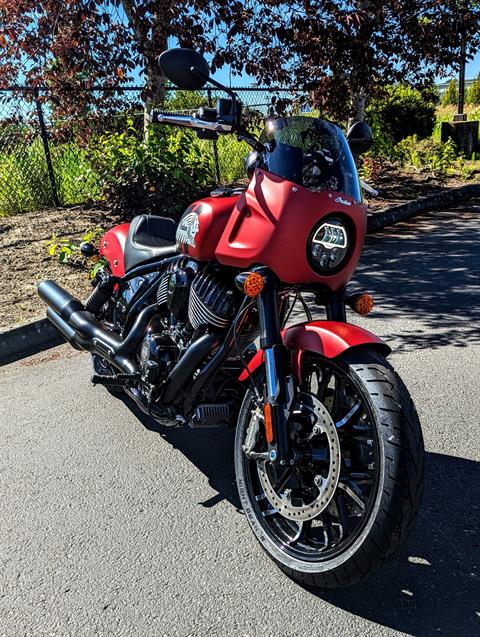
(109, 527)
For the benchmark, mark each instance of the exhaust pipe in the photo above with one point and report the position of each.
(83, 331)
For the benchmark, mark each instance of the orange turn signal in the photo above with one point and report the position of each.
(267, 413)
(362, 304)
(253, 284)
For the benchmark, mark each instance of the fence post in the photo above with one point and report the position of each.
(214, 143)
(46, 148)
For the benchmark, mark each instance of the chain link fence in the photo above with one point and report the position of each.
(46, 160)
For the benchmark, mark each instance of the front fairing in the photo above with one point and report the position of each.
(271, 225)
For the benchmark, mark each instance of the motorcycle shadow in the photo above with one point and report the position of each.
(210, 450)
(432, 586)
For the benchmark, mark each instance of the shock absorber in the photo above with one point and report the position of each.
(101, 293)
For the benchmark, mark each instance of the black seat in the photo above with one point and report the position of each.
(148, 238)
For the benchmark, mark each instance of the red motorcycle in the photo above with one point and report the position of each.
(191, 321)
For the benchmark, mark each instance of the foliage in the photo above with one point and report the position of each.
(231, 158)
(438, 157)
(186, 101)
(383, 144)
(337, 51)
(403, 111)
(160, 172)
(343, 51)
(71, 46)
(371, 167)
(451, 94)
(68, 252)
(473, 94)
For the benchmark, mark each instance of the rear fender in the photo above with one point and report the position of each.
(329, 338)
(112, 247)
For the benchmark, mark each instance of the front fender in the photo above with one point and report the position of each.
(329, 338)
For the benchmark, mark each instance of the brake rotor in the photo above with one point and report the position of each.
(323, 425)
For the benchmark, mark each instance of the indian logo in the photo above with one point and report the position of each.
(343, 201)
(187, 229)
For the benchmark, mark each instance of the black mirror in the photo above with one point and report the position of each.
(359, 138)
(186, 68)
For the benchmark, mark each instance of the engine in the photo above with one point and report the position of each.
(211, 301)
(194, 299)
(197, 293)
(190, 296)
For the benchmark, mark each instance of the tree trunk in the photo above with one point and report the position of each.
(154, 92)
(358, 107)
(152, 38)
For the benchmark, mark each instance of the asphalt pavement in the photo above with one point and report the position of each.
(112, 526)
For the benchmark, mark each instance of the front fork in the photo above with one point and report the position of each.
(279, 385)
(279, 390)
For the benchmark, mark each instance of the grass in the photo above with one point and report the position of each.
(25, 184)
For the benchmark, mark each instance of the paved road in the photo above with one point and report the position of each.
(109, 527)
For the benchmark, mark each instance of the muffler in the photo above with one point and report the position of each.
(83, 331)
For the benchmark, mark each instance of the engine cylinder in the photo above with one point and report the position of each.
(211, 302)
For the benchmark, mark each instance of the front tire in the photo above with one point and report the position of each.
(366, 520)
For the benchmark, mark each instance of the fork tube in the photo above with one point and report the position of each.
(275, 357)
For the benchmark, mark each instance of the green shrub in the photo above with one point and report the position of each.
(161, 172)
(383, 143)
(231, 159)
(403, 111)
(473, 95)
(450, 97)
(429, 153)
(68, 252)
(186, 100)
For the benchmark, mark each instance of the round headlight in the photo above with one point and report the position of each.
(329, 245)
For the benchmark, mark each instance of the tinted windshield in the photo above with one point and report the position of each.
(312, 153)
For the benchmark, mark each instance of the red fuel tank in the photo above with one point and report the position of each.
(202, 225)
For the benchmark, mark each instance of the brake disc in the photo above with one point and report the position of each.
(323, 425)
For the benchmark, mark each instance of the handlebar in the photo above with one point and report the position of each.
(371, 191)
(187, 121)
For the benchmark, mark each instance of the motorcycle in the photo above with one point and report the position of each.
(191, 321)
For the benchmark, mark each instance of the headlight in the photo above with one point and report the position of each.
(329, 245)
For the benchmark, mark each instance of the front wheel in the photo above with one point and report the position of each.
(350, 498)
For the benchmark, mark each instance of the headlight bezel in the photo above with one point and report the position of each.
(348, 228)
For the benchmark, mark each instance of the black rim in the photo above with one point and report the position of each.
(339, 525)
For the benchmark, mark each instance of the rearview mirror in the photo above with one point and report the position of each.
(186, 68)
(359, 138)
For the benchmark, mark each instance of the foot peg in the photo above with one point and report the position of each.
(117, 380)
(210, 416)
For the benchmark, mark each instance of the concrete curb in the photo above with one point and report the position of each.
(402, 212)
(28, 339)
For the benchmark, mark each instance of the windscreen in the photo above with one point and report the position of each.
(312, 153)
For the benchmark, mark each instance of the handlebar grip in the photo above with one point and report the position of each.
(154, 117)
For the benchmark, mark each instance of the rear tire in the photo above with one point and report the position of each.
(394, 500)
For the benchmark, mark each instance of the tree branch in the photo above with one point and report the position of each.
(136, 23)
